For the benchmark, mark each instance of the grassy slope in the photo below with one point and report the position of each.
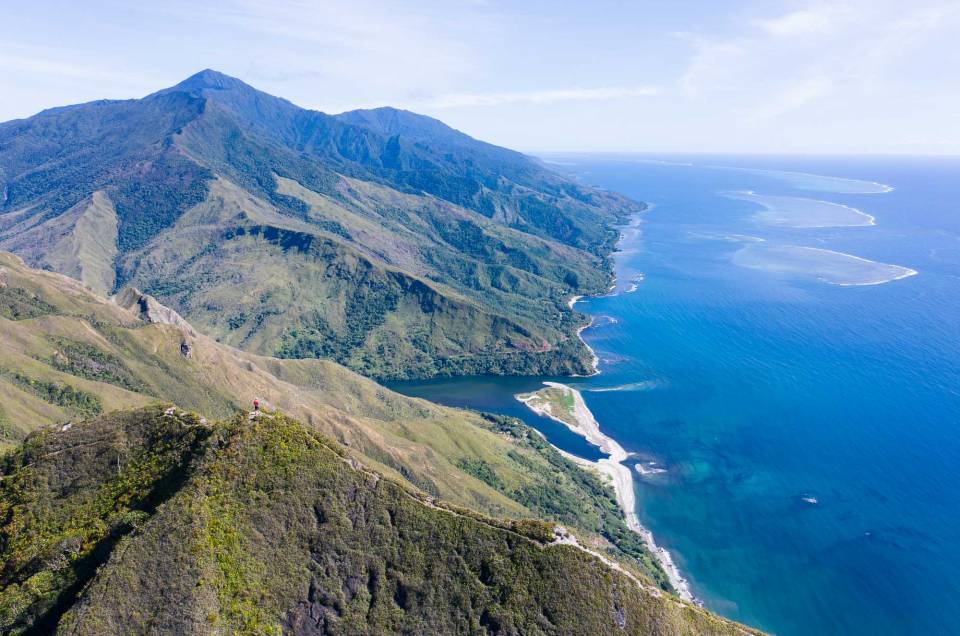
(81, 243)
(557, 402)
(67, 337)
(415, 252)
(257, 279)
(153, 522)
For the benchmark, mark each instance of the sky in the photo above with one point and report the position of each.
(739, 76)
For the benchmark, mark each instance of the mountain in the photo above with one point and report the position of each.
(381, 239)
(68, 354)
(361, 511)
(155, 521)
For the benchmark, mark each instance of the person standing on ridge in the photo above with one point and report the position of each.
(256, 404)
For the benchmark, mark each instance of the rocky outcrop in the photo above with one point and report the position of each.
(150, 310)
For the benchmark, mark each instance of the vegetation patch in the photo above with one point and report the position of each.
(87, 361)
(481, 470)
(7, 431)
(155, 193)
(132, 462)
(556, 401)
(81, 402)
(364, 309)
(16, 303)
(263, 526)
(573, 496)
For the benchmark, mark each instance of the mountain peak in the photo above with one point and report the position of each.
(253, 106)
(209, 79)
(390, 121)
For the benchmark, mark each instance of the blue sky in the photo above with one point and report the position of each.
(847, 76)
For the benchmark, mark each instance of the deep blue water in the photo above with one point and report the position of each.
(764, 387)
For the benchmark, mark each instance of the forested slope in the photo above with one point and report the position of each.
(381, 239)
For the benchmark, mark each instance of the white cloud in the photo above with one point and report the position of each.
(362, 47)
(839, 76)
(929, 18)
(58, 67)
(814, 20)
(711, 64)
(792, 97)
(541, 97)
(797, 58)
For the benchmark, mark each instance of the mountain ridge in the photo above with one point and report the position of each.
(167, 523)
(69, 354)
(100, 471)
(497, 238)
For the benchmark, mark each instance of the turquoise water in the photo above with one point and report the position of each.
(807, 420)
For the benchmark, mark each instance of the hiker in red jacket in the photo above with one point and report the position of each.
(256, 404)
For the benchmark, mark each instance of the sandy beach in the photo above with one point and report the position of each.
(595, 361)
(619, 474)
(612, 466)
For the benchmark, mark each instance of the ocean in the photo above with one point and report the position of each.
(781, 354)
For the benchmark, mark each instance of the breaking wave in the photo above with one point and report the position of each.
(828, 266)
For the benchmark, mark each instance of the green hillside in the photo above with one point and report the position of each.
(108, 523)
(381, 239)
(68, 354)
(154, 521)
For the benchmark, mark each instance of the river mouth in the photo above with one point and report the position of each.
(496, 394)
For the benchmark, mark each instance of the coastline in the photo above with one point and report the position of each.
(612, 291)
(619, 474)
(595, 359)
(612, 466)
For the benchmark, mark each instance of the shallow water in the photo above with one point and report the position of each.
(819, 264)
(808, 429)
(802, 212)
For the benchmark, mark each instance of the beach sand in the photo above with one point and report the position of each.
(595, 360)
(612, 468)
